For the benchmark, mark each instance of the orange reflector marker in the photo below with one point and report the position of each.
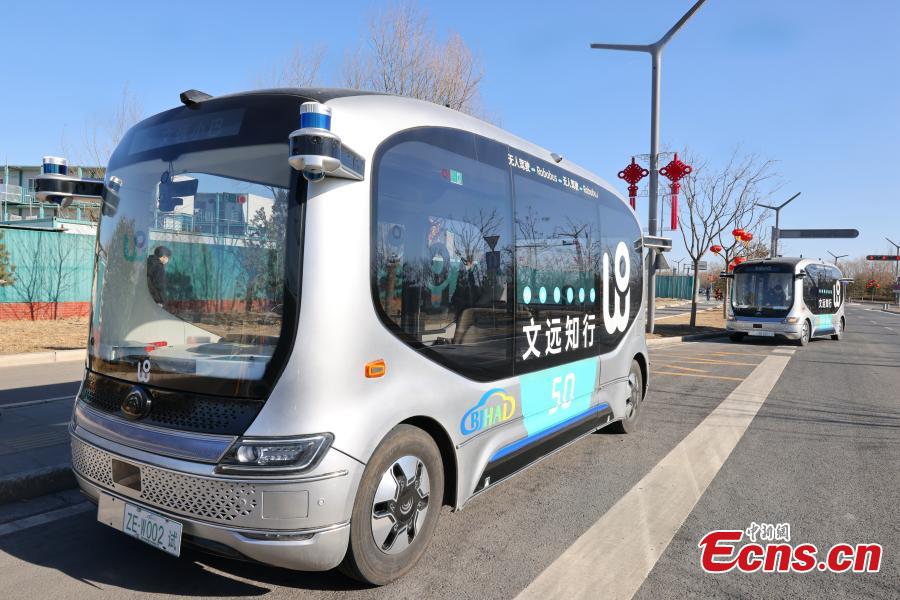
(376, 368)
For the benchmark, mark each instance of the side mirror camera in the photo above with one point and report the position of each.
(110, 196)
(801, 274)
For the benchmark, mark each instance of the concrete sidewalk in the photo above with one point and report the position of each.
(34, 449)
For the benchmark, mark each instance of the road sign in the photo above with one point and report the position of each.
(817, 233)
(701, 266)
(660, 243)
(892, 257)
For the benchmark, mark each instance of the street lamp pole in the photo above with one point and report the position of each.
(773, 251)
(896, 263)
(655, 51)
(837, 257)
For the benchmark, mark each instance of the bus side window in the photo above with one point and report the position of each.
(810, 296)
(442, 259)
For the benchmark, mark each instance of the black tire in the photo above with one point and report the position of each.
(632, 421)
(365, 560)
(805, 334)
(737, 337)
(837, 335)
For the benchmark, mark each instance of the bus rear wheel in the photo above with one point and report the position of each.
(396, 508)
(631, 422)
(839, 332)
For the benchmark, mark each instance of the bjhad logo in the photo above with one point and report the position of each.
(494, 407)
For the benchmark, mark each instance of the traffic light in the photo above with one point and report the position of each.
(883, 257)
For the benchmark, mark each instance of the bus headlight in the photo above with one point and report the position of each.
(280, 455)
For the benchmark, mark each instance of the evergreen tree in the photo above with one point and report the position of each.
(7, 270)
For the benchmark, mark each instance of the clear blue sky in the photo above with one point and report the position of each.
(812, 84)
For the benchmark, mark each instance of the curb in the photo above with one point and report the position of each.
(39, 358)
(685, 338)
(30, 484)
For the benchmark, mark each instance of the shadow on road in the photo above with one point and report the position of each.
(99, 557)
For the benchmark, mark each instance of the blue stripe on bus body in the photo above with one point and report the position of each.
(507, 450)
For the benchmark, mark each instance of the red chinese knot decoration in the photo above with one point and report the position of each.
(674, 172)
(632, 174)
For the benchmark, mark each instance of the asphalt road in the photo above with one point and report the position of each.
(822, 453)
(27, 383)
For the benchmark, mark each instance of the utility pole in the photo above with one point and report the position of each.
(655, 51)
(773, 251)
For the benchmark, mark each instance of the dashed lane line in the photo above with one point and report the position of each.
(614, 557)
(673, 366)
(709, 361)
(655, 372)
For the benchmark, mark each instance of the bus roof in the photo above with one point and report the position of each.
(788, 261)
(364, 119)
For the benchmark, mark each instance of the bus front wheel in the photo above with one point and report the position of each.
(631, 422)
(396, 507)
(804, 334)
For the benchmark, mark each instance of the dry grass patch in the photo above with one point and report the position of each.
(17, 337)
(708, 321)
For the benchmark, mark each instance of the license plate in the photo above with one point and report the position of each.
(152, 529)
(761, 333)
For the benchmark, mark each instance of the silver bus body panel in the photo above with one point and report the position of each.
(323, 387)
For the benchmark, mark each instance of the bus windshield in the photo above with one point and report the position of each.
(191, 267)
(762, 293)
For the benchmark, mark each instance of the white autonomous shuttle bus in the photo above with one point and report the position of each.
(305, 341)
(793, 298)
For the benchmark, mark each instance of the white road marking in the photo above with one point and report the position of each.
(613, 558)
(44, 518)
(784, 350)
(33, 402)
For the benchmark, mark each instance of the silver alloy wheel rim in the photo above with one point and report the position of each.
(631, 405)
(400, 504)
(806, 330)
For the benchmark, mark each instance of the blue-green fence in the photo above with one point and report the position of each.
(50, 266)
(674, 286)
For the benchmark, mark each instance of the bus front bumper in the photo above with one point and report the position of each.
(779, 329)
(244, 519)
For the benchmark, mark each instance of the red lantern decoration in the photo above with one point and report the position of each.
(715, 249)
(731, 266)
(739, 259)
(737, 232)
(674, 172)
(633, 173)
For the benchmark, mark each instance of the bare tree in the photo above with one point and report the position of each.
(300, 69)
(403, 56)
(718, 200)
(103, 133)
(60, 276)
(31, 277)
(7, 269)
